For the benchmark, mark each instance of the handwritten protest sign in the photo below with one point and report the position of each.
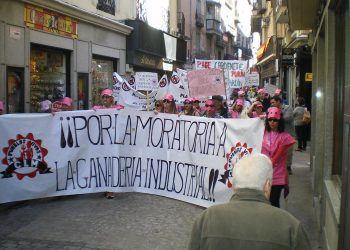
(146, 81)
(75, 152)
(206, 82)
(252, 79)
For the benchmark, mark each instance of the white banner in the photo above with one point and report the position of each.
(75, 152)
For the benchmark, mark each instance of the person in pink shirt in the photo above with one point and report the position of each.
(275, 145)
(237, 109)
(107, 101)
(256, 110)
(196, 105)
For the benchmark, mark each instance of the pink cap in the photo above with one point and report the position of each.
(240, 102)
(278, 91)
(67, 101)
(274, 112)
(168, 97)
(107, 92)
(241, 92)
(258, 104)
(1, 106)
(261, 91)
(195, 99)
(189, 99)
(45, 105)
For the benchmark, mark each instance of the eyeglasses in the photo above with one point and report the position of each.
(273, 120)
(106, 96)
(158, 105)
(187, 102)
(166, 101)
(211, 106)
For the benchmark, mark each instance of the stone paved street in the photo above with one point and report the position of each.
(129, 221)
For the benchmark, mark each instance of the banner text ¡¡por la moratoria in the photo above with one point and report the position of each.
(118, 172)
(184, 135)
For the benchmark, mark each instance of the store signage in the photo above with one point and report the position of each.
(288, 56)
(49, 21)
(308, 77)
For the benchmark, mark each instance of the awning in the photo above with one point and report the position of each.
(262, 48)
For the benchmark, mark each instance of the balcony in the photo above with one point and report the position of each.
(213, 26)
(259, 7)
(282, 12)
(181, 24)
(199, 20)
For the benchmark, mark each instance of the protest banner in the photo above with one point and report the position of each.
(206, 82)
(234, 72)
(76, 152)
(178, 86)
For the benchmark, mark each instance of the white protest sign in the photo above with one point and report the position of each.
(186, 158)
(146, 81)
(270, 89)
(252, 79)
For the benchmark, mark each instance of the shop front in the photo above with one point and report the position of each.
(46, 58)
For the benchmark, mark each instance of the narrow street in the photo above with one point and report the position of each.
(129, 221)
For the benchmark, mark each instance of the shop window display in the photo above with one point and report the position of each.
(48, 77)
(102, 78)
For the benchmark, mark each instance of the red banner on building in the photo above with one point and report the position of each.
(47, 20)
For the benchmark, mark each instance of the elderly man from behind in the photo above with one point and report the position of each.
(248, 221)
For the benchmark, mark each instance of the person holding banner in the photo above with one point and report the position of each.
(210, 110)
(158, 106)
(196, 105)
(107, 103)
(238, 110)
(63, 105)
(248, 221)
(220, 107)
(188, 108)
(275, 145)
(169, 104)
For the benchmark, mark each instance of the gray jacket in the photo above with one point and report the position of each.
(248, 221)
(288, 119)
(298, 114)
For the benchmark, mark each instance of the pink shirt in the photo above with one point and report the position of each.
(235, 114)
(112, 107)
(271, 142)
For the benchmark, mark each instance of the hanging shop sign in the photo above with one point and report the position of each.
(288, 56)
(50, 21)
(308, 77)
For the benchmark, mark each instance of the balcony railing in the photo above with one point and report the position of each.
(213, 26)
(256, 23)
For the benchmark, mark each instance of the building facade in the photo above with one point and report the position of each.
(53, 49)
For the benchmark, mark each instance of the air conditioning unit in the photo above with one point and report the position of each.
(265, 21)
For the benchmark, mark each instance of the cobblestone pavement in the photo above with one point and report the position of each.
(129, 221)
